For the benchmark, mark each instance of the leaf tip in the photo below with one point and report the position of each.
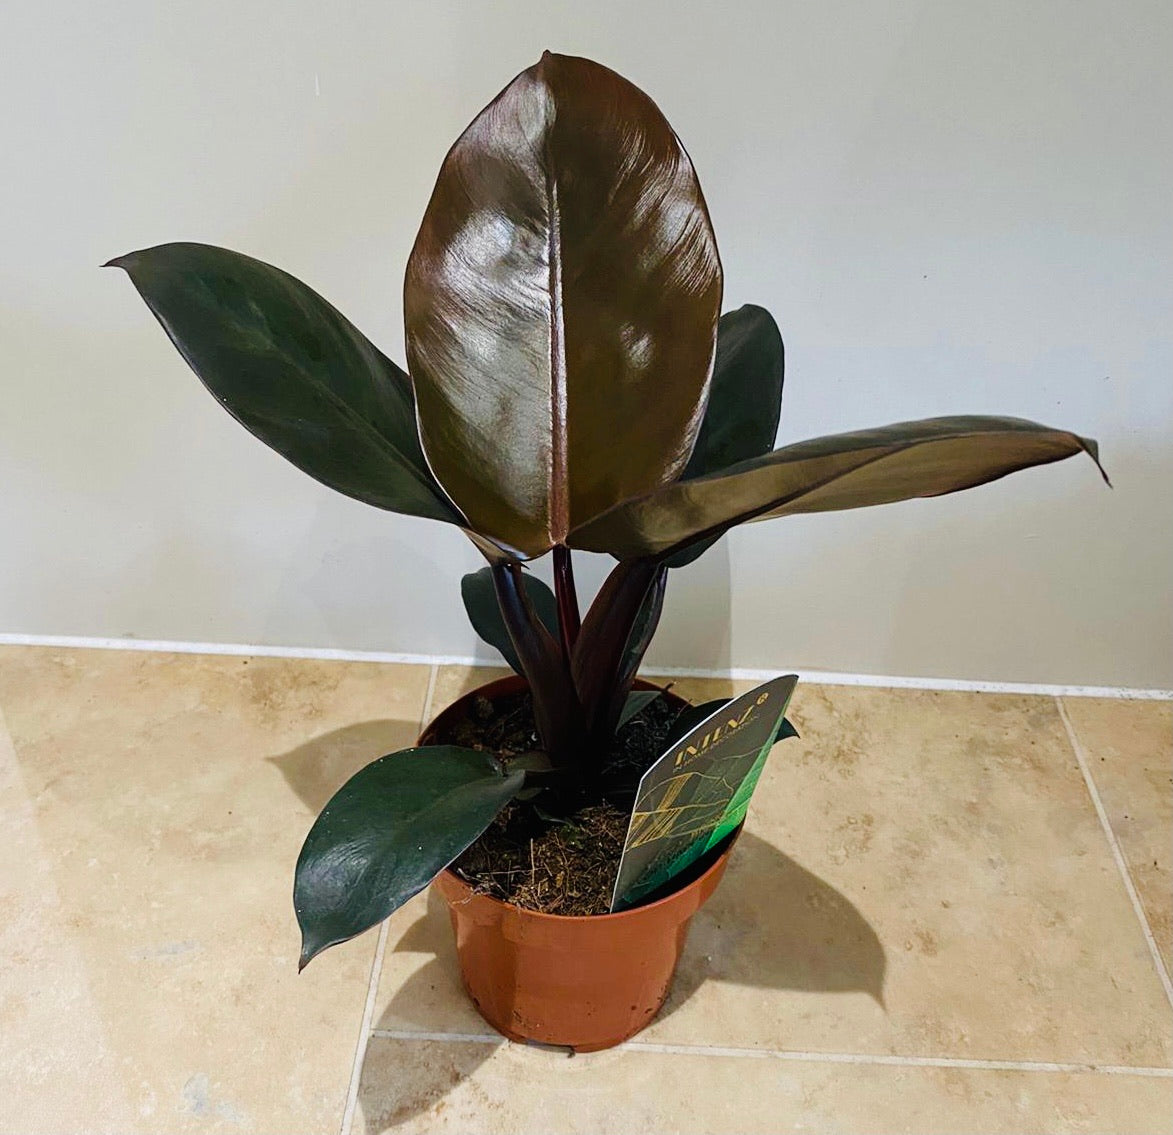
(312, 944)
(309, 951)
(786, 730)
(1092, 449)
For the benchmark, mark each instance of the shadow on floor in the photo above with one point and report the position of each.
(771, 925)
(774, 925)
(317, 769)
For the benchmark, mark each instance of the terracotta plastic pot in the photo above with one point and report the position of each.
(585, 982)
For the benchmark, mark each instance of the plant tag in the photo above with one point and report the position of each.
(699, 790)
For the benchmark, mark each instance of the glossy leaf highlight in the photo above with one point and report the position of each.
(387, 833)
(898, 462)
(561, 305)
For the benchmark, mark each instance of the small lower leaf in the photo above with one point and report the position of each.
(387, 832)
(745, 403)
(785, 731)
(636, 701)
(484, 612)
(690, 717)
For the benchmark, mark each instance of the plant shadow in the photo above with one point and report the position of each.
(401, 1083)
(321, 766)
(771, 925)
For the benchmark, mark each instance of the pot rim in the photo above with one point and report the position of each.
(454, 879)
(596, 919)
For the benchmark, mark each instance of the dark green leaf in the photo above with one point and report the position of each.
(484, 612)
(745, 398)
(293, 371)
(543, 665)
(550, 818)
(785, 731)
(643, 630)
(561, 305)
(636, 702)
(690, 717)
(898, 462)
(387, 833)
(533, 761)
(745, 402)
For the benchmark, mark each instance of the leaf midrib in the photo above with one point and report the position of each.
(558, 525)
(632, 507)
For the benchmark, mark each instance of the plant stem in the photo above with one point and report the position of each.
(569, 619)
(542, 662)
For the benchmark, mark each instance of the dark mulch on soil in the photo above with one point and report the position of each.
(532, 859)
(560, 868)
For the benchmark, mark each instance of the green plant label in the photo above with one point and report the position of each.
(699, 790)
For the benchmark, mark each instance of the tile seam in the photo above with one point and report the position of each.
(1117, 852)
(429, 696)
(810, 1057)
(364, 1033)
(368, 1016)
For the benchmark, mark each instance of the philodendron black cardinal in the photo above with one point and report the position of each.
(571, 384)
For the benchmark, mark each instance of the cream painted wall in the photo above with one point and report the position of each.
(950, 207)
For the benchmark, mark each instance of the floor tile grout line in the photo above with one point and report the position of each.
(438, 1037)
(902, 1061)
(811, 1057)
(426, 715)
(368, 1016)
(364, 1034)
(1117, 852)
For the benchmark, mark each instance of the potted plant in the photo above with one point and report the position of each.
(571, 384)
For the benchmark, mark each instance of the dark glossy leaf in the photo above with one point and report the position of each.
(745, 402)
(602, 656)
(533, 761)
(293, 371)
(898, 462)
(636, 702)
(785, 731)
(561, 305)
(387, 833)
(690, 717)
(543, 665)
(484, 612)
(643, 630)
(745, 396)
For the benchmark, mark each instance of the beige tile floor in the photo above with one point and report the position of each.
(950, 912)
